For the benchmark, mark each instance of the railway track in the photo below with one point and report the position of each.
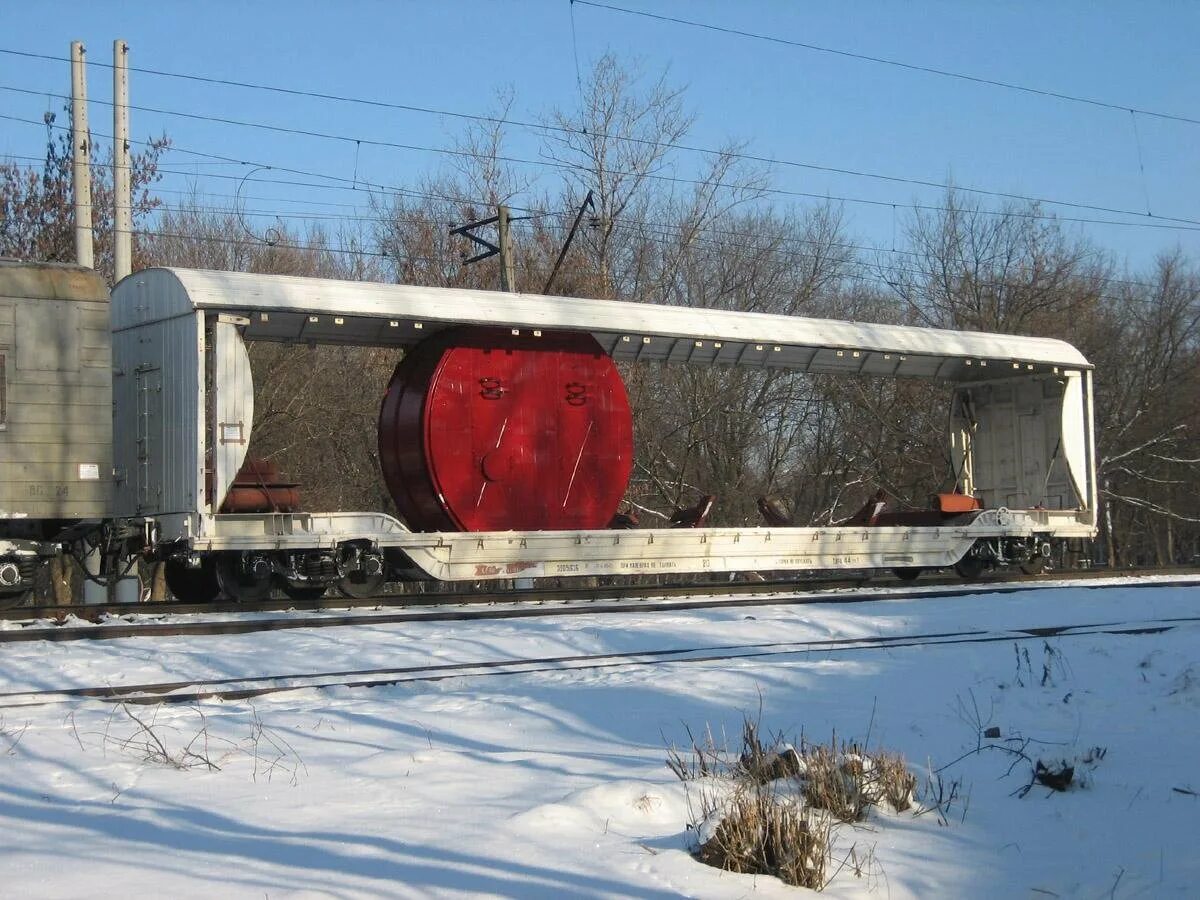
(554, 603)
(233, 689)
(96, 612)
(439, 598)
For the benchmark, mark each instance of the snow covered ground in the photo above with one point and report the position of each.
(554, 784)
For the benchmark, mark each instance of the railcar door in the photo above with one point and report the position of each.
(149, 439)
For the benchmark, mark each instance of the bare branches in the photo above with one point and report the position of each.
(184, 742)
(1156, 508)
(36, 213)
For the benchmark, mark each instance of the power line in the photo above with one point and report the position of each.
(664, 229)
(907, 270)
(860, 276)
(624, 225)
(824, 197)
(349, 184)
(621, 224)
(539, 126)
(1160, 221)
(380, 254)
(930, 70)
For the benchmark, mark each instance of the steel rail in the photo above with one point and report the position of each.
(94, 612)
(696, 599)
(177, 692)
(89, 611)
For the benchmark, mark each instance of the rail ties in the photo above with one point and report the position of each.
(233, 689)
(597, 594)
(641, 599)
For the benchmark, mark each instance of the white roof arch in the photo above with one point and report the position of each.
(312, 310)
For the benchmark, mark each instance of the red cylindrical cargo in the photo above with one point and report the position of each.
(485, 430)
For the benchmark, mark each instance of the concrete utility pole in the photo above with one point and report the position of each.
(508, 278)
(122, 197)
(81, 151)
(508, 282)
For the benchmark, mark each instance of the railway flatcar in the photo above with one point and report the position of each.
(506, 442)
(505, 438)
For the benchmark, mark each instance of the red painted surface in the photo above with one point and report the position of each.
(483, 430)
(957, 503)
(258, 487)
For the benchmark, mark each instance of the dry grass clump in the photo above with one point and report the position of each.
(772, 808)
(759, 834)
(848, 781)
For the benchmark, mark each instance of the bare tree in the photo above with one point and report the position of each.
(37, 218)
(1146, 347)
(1011, 270)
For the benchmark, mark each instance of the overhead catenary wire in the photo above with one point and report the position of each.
(663, 229)
(358, 184)
(1159, 221)
(623, 224)
(882, 60)
(344, 183)
(306, 248)
(662, 238)
(674, 145)
(666, 230)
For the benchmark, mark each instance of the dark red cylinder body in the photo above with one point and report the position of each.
(484, 430)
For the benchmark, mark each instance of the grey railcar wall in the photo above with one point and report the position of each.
(158, 409)
(56, 415)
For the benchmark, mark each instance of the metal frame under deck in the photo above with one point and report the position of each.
(509, 554)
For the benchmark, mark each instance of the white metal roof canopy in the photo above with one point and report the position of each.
(310, 310)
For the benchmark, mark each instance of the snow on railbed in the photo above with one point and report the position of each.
(554, 784)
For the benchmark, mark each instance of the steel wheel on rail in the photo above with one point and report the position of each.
(244, 577)
(359, 585)
(364, 572)
(16, 598)
(907, 573)
(969, 567)
(192, 585)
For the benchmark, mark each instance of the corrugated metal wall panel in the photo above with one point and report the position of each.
(158, 405)
(233, 407)
(56, 440)
(124, 437)
(147, 296)
(1018, 456)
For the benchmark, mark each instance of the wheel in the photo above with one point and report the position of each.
(359, 587)
(365, 581)
(190, 585)
(16, 598)
(243, 581)
(907, 573)
(969, 567)
(303, 591)
(1036, 566)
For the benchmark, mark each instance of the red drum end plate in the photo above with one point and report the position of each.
(483, 430)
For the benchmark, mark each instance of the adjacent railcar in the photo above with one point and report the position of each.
(505, 437)
(56, 415)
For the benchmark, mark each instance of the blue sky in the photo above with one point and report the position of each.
(782, 102)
